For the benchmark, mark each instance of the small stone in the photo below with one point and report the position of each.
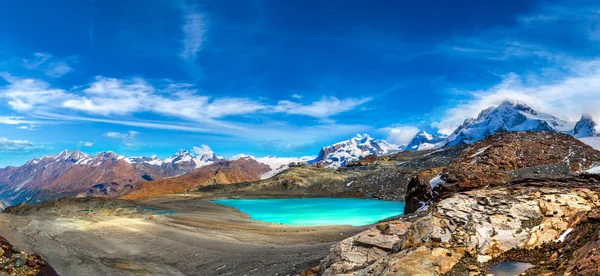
(19, 262)
(436, 238)
(473, 268)
(16, 250)
(31, 263)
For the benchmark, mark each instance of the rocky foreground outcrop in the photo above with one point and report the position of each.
(13, 261)
(473, 230)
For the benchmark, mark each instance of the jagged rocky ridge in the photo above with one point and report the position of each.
(533, 206)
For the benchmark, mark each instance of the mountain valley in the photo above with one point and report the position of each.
(506, 186)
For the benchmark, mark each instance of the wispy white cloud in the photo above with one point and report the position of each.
(194, 30)
(16, 120)
(87, 143)
(324, 108)
(52, 66)
(202, 149)
(7, 145)
(400, 135)
(110, 96)
(58, 69)
(25, 94)
(128, 138)
(28, 127)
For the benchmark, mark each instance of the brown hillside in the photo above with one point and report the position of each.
(224, 172)
(502, 157)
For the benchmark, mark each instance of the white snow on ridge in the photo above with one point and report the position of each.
(358, 147)
(479, 152)
(277, 164)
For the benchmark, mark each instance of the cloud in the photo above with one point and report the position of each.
(202, 149)
(58, 69)
(111, 96)
(25, 94)
(577, 92)
(324, 108)
(86, 143)
(194, 30)
(7, 145)
(547, 73)
(51, 66)
(28, 127)
(15, 120)
(401, 135)
(128, 138)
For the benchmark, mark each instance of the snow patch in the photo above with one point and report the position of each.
(595, 170)
(277, 164)
(479, 152)
(564, 235)
(436, 181)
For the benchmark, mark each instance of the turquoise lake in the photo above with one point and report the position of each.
(317, 211)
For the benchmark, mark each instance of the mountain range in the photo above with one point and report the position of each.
(511, 116)
(74, 173)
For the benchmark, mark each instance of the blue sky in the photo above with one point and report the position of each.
(279, 77)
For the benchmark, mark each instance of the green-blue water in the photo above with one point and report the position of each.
(317, 211)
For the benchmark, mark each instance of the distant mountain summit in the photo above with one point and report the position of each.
(354, 149)
(425, 141)
(585, 127)
(508, 116)
(511, 116)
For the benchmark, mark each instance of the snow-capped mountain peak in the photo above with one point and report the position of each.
(354, 149)
(205, 154)
(508, 116)
(425, 141)
(585, 127)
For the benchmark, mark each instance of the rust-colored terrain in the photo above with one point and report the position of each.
(223, 172)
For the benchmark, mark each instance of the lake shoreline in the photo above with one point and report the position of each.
(201, 237)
